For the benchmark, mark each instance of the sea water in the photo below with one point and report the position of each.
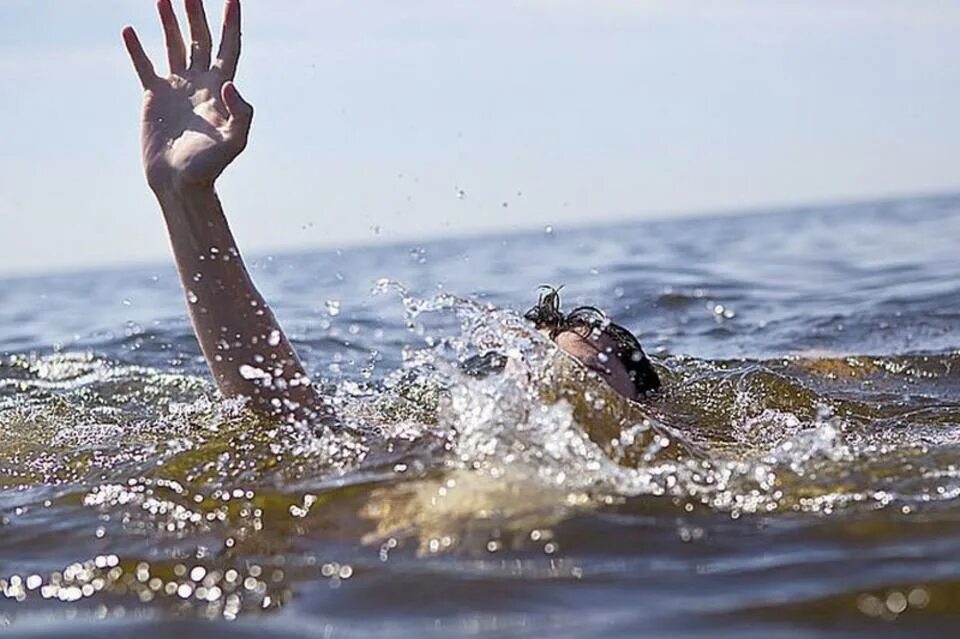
(799, 476)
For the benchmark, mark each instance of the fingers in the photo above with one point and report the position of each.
(200, 46)
(141, 63)
(241, 114)
(237, 107)
(229, 53)
(176, 54)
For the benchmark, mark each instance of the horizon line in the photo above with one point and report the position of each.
(486, 234)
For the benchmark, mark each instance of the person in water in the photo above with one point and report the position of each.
(195, 123)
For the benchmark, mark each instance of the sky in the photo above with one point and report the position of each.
(390, 120)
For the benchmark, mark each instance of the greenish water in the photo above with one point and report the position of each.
(799, 477)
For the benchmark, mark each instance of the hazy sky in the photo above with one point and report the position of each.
(372, 115)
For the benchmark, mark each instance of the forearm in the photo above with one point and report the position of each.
(245, 348)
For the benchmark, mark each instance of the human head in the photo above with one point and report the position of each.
(587, 334)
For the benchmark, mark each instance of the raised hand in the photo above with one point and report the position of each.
(194, 124)
(194, 120)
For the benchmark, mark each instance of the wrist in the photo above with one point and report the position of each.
(165, 184)
(186, 204)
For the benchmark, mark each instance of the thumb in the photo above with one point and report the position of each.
(241, 111)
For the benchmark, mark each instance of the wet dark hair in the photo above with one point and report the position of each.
(547, 315)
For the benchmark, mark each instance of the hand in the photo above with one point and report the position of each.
(194, 120)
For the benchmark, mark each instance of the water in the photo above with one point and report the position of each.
(800, 476)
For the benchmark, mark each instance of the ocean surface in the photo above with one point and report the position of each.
(799, 477)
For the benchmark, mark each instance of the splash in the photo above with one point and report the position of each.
(198, 503)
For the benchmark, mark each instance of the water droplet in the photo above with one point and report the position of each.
(333, 307)
(918, 597)
(896, 602)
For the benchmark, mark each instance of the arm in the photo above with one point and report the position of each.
(194, 124)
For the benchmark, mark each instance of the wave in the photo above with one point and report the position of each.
(150, 464)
